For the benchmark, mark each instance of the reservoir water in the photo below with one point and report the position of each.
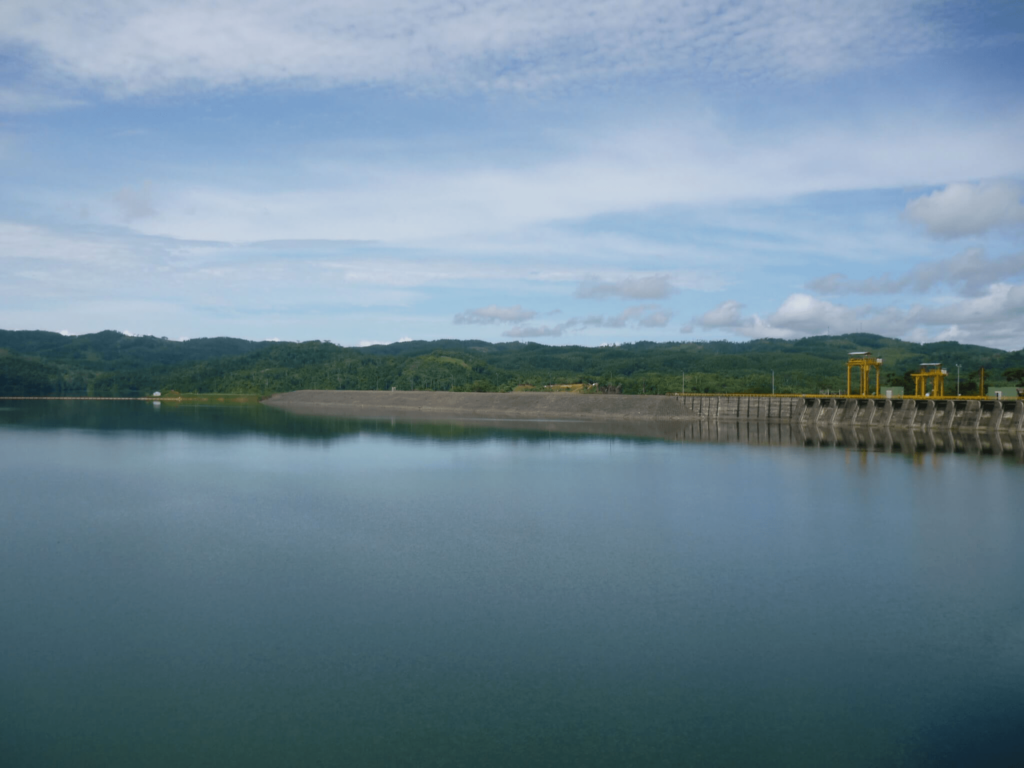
(204, 586)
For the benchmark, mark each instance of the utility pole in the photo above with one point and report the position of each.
(773, 382)
(957, 379)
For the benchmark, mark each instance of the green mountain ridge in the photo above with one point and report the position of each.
(109, 363)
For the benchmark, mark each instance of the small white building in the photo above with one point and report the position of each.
(156, 394)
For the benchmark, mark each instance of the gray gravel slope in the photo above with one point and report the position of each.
(485, 405)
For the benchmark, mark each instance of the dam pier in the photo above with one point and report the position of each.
(950, 413)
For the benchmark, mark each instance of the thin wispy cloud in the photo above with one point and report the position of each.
(642, 316)
(538, 331)
(494, 314)
(619, 171)
(970, 273)
(727, 315)
(645, 287)
(30, 97)
(156, 45)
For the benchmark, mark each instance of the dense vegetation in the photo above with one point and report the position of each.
(113, 364)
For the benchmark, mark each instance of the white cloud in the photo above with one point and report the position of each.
(805, 315)
(536, 331)
(970, 272)
(138, 47)
(799, 315)
(657, 319)
(494, 314)
(642, 316)
(644, 287)
(994, 319)
(960, 210)
(728, 314)
(952, 333)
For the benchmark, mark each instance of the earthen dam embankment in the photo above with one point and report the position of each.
(941, 414)
(524, 406)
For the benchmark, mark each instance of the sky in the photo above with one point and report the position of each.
(582, 172)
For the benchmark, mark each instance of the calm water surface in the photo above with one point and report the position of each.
(240, 587)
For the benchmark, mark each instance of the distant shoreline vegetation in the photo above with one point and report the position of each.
(112, 364)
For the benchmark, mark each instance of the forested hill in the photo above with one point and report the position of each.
(115, 364)
(117, 351)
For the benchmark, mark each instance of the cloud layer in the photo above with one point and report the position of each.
(641, 287)
(494, 314)
(127, 48)
(620, 169)
(994, 318)
(642, 316)
(970, 273)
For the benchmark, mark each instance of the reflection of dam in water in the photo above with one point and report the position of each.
(960, 414)
(753, 433)
(884, 439)
(973, 414)
(899, 425)
(327, 425)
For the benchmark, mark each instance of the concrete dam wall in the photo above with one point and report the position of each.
(901, 414)
(939, 413)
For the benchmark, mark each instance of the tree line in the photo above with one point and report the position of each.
(110, 364)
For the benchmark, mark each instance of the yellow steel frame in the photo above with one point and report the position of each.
(938, 379)
(865, 364)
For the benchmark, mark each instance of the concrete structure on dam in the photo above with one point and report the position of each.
(971, 414)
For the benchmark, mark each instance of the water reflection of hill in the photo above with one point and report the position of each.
(233, 421)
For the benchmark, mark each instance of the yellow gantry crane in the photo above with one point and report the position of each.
(930, 371)
(864, 362)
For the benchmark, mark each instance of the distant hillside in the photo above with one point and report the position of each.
(112, 363)
(117, 351)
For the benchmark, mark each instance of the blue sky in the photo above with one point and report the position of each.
(589, 173)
